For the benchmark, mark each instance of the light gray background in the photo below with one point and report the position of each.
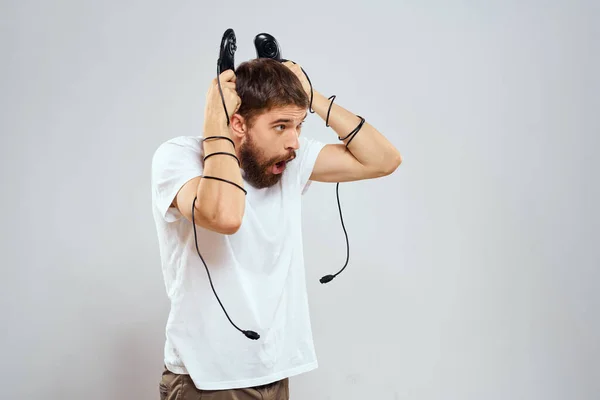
(474, 268)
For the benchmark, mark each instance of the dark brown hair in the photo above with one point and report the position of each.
(264, 84)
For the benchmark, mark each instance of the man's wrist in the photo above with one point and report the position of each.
(319, 102)
(216, 128)
(341, 120)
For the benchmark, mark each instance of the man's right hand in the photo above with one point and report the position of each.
(214, 114)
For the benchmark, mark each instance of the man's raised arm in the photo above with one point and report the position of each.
(368, 155)
(219, 205)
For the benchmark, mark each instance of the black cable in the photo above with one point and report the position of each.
(332, 98)
(311, 92)
(249, 334)
(219, 137)
(224, 153)
(329, 278)
(351, 135)
(224, 180)
(221, 90)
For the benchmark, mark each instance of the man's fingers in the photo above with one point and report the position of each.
(227, 76)
(293, 66)
(224, 84)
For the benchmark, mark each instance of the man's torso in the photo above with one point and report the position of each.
(258, 273)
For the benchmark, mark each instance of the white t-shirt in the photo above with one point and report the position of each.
(258, 273)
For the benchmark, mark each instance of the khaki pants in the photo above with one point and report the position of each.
(181, 387)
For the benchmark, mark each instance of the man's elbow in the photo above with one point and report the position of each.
(227, 225)
(389, 165)
(395, 163)
(221, 222)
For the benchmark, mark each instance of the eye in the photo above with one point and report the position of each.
(280, 126)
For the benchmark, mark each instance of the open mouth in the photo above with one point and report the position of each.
(279, 167)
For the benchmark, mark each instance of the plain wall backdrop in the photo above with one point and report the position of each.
(474, 268)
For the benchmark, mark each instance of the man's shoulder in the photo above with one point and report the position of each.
(189, 142)
(177, 147)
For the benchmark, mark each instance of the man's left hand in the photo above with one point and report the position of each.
(296, 69)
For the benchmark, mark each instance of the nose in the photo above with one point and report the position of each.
(292, 142)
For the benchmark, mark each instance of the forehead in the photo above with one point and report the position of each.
(285, 113)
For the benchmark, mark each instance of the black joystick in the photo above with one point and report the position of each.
(226, 60)
(227, 51)
(267, 47)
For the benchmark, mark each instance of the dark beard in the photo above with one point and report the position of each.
(256, 172)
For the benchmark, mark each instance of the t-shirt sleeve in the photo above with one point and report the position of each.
(174, 163)
(307, 157)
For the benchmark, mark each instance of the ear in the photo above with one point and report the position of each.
(237, 125)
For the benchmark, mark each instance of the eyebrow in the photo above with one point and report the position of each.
(286, 120)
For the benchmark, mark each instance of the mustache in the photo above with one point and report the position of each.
(290, 156)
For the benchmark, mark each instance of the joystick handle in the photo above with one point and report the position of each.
(267, 47)
(226, 61)
(227, 51)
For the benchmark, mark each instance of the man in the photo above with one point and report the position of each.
(241, 183)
